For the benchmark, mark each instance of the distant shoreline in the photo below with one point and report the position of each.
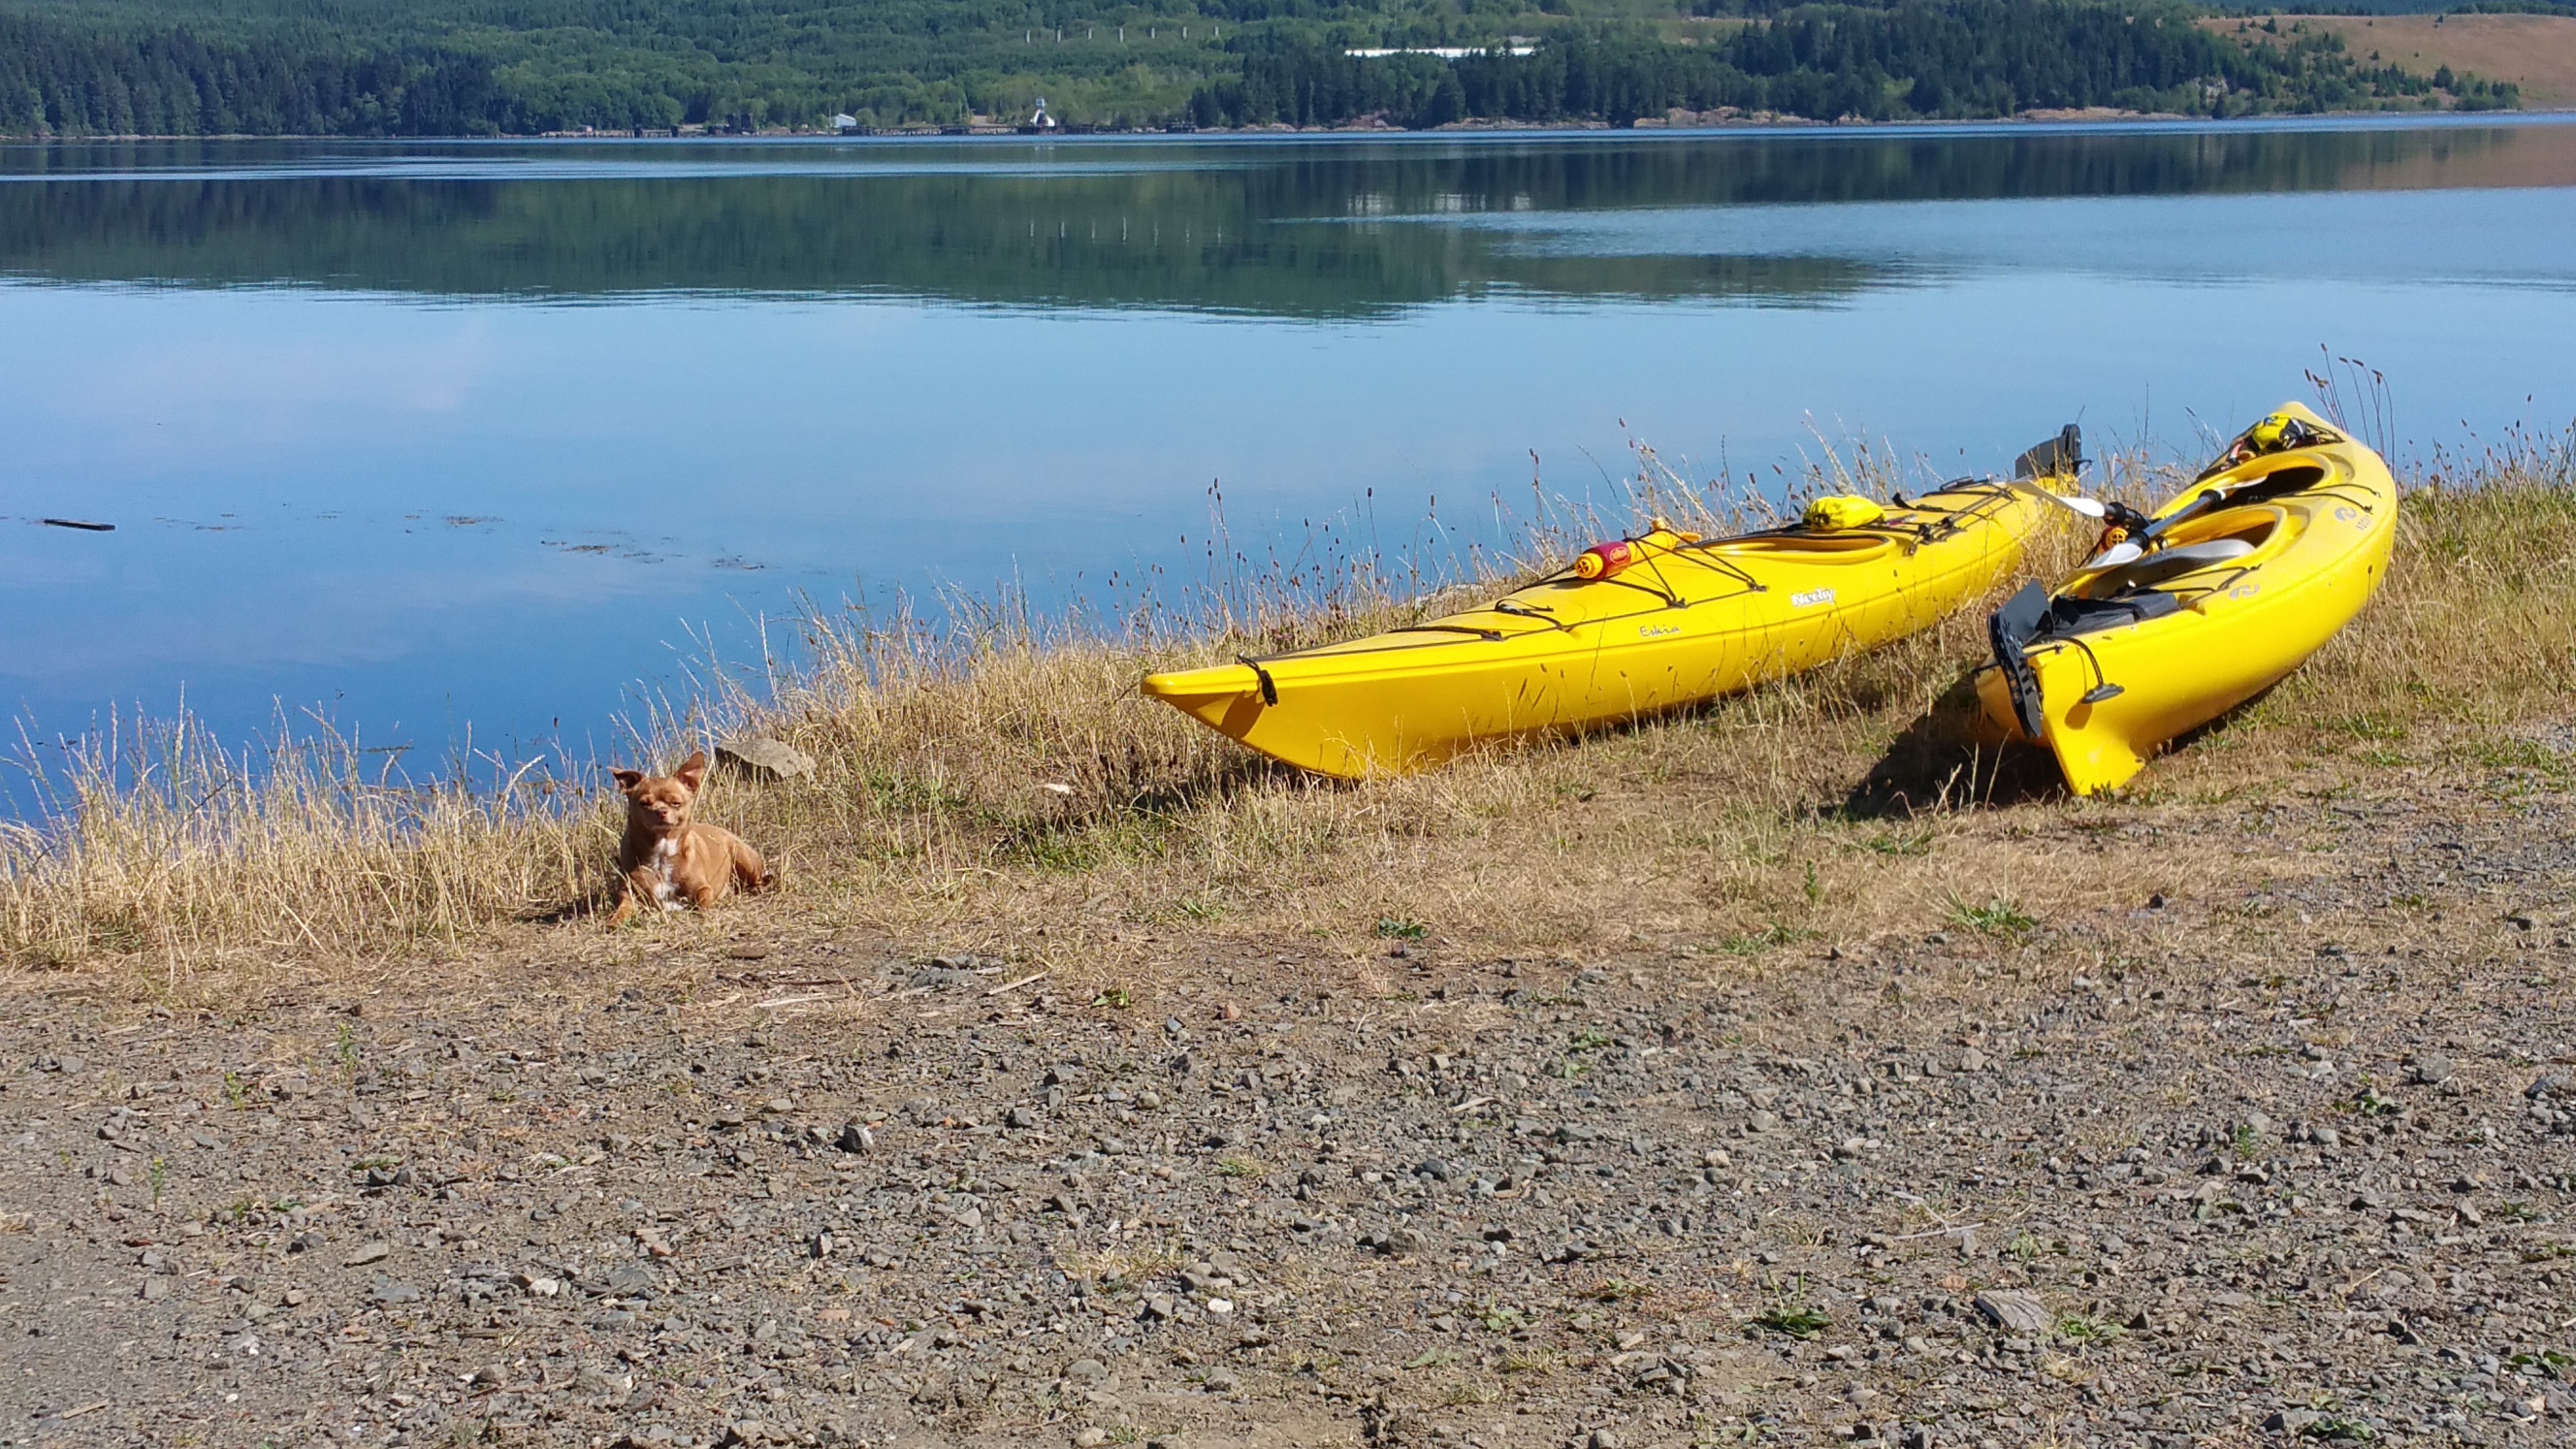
(2033, 122)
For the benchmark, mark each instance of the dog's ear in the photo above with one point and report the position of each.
(692, 771)
(627, 780)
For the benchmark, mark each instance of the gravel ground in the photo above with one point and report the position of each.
(2294, 1161)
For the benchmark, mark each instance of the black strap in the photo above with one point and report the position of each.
(1269, 689)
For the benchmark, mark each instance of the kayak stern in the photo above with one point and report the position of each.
(2095, 746)
(1226, 698)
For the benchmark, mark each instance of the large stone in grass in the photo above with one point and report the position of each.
(763, 758)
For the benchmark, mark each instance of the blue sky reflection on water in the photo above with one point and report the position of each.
(344, 478)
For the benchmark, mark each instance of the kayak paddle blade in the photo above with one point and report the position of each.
(2093, 508)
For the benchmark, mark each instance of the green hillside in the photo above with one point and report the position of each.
(520, 67)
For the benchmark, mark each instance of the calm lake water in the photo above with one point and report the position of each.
(428, 436)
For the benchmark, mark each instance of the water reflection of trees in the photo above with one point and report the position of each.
(1304, 230)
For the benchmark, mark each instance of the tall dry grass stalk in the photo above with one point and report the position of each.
(158, 840)
(990, 774)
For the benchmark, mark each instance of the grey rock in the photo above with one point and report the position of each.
(387, 1290)
(2432, 1070)
(370, 1253)
(2015, 1312)
(760, 757)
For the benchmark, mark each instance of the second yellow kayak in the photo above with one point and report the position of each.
(1663, 621)
(2221, 593)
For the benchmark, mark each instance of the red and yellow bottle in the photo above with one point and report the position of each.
(1604, 560)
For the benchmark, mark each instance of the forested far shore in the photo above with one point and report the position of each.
(217, 68)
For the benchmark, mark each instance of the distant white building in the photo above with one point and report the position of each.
(1040, 120)
(845, 122)
(1516, 46)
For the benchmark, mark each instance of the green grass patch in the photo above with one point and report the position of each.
(2001, 917)
(1795, 1321)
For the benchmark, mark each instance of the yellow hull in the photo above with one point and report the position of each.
(1686, 623)
(2110, 693)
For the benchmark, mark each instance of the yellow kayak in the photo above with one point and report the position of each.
(2210, 601)
(1648, 624)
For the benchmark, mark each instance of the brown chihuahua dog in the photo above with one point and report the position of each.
(666, 860)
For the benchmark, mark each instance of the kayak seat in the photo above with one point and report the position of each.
(2059, 457)
(2070, 616)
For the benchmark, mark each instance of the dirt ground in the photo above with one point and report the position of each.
(2287, 1159)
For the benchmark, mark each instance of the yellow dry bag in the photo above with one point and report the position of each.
(1843, 510)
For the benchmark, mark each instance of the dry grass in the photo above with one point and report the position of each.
(1004, 784)
(166, 844)
(2535, 52)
